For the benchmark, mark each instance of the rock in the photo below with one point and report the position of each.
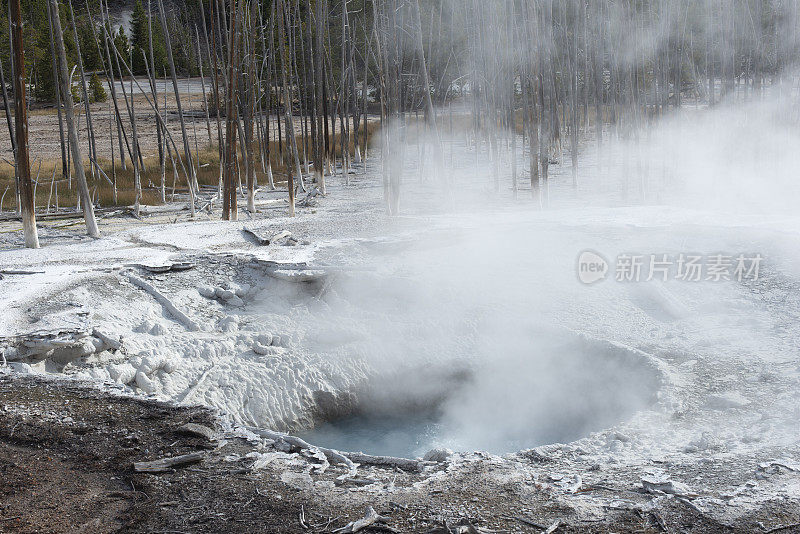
(99, 345)
(169, 365)
(66, 354)
(122, 373)
(158, 330)
(265, 339)
(706, 442)
(242, 291)
(21, 368)
(235, 301)
(194, 429)
(144, 383)
(264, 350)
(207, 292)
(229, 324)
(658, 484)
(109, 342)
(226, 294)
(145, 327)
(437, 455)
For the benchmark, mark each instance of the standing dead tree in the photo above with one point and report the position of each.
(26, 195)
(69, 106)
(287, 104)
(187, 149)
(229, 207)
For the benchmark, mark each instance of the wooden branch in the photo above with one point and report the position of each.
(165, 302)
(165, 465)
(369, 519)
(384, 461)
(332, 455)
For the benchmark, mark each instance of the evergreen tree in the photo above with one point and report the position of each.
(140, 41)
(121, 42)
(97, 92)
(139, 38)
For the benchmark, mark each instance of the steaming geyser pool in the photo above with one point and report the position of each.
(558, 388)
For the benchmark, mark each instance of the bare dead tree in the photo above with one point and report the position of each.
(26, 194)
(229, 207)
(69, 106)
(187, 150)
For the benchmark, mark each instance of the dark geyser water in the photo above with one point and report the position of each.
(405, 436)
(559, 392)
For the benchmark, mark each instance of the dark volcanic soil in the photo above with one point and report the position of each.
(66, 455)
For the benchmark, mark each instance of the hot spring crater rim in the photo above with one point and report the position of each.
(576, 385)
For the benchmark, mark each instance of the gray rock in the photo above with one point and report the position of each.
(235, 301)
(207, 292)
(158, 330)
(193, 429)
(229, 324)
(264, 350)
(657, 484)
(242, 291)
(437, 455)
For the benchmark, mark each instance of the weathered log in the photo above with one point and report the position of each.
(165, 302)
(261, 240)
(332, 455)
(369, 519)
(165, 465)
(384, 461)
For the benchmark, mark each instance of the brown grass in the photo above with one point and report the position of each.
(207, 160)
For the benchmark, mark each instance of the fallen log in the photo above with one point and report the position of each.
(170, 267)
(263, 240)
(165, 302)
(404, 464)
(164, 465)
(370, 518)
(333, 456)
(19, 271)
(525, 521)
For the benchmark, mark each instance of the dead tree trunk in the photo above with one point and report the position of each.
(69, 106)
(287, 105)
(58, 99)
(430, 116)
(321, 143)
(249, 109)
(26, 195)
(187, 150)
(229, 206)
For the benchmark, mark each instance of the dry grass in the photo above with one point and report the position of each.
(207, 160)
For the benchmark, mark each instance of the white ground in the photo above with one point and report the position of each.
(471, 279)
